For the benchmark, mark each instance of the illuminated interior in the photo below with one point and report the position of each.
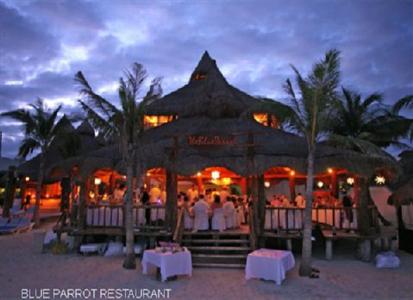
(267, 120)
(151, 121)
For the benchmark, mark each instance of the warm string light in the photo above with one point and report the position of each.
(320, 184)
(98, 181)
(350, 180)
(215, 175)
(380, 180)
(267, 184)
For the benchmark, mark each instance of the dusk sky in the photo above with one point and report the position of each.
(43, 44)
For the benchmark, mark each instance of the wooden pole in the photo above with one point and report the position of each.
(291, 185)
(243, 184)
(171, 200)
(334, 186)
(261, 203)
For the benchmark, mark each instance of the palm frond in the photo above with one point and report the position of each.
(404, 103)
(93, 99)
(27, 146)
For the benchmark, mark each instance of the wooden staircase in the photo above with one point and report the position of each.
(218, 249)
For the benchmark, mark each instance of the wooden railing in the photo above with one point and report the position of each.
(144, 216)
(291, 219)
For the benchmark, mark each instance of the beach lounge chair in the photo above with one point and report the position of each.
(16, 225)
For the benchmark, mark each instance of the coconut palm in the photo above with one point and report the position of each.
(367, 125)
(311, 113)
(125, 125)
(308, 114)
(368, 120)
(41, 127)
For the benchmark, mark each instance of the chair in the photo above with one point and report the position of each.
(16, 225)
(218, 220)
(230, 215)
(200, 218)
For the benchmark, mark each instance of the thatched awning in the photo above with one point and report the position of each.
(87, 143)
(254, 149)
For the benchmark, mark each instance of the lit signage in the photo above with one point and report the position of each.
(213, 140)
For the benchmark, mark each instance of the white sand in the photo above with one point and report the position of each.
(342, 278)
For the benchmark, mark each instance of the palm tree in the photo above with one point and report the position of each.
(363, 122)
(125, 125)
(366, 126)
(41, 127)
(309, 114)
(311, 108)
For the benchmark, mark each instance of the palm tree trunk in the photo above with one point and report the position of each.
(130, 261)
(363, 218)
(39, 184)
(306, 253)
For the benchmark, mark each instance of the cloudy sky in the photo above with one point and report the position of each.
(43, 43)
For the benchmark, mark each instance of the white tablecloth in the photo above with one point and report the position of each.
(171, 264)
(269, 264)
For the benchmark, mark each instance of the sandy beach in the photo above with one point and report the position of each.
(342, 278)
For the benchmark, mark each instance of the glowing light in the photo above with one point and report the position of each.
(148, 174)
(27, 178)
(292, 173)
(199, 174)
(350, 180)
(380, 180)
(98, 181)
(267, 184)
(320, 184)
(215, 175)
(330, 170)
(226, 181)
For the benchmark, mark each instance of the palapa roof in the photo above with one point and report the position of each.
(209, 106)
(206, 94)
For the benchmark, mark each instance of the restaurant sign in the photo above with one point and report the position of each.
(211, 140)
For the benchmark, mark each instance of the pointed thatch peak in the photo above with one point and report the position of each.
(85, 128)
(206, 70)
(67, 126)
(206, 94)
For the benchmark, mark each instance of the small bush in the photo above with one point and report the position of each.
(59, 248)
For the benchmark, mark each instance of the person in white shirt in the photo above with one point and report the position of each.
(200, 211)
(300, 201)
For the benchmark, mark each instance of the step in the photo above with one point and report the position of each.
(202, 255)
(218, 265)
(218, 241)
(218, 248)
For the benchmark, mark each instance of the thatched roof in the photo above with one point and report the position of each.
(87, 143)
(270, 148)
(206, 94)
(209, 106)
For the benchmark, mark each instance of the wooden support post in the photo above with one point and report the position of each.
(200, 185)
(291, 185)
(329, 249)
(171, 200)
(261, 203)
(364, 250)
(243, 184)
(334, 186)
